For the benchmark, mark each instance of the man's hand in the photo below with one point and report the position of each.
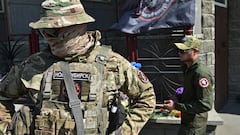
(169, 104)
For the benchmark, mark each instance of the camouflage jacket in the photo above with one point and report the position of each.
(119, 74)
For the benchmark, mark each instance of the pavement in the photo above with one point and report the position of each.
(230, 114)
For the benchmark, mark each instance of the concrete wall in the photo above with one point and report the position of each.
(234, 49)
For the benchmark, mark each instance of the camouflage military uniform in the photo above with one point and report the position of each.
(40, 77)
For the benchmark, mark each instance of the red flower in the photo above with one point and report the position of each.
(179, 114)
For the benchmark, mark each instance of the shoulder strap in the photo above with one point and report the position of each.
(74, 101)
(101, 58)
(100, 62)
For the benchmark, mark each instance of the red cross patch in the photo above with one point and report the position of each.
(203, 82)
(142, 77)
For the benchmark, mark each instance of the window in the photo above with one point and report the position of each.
(1, 6)
(221, 3)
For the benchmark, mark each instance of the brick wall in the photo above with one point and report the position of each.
(208, 30)
(234, 49)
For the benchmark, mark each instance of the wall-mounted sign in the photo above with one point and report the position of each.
(1, 6)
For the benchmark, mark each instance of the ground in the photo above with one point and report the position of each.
(231, 116)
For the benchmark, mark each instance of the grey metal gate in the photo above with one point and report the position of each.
(161, 63)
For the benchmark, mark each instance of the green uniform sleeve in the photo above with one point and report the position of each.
(204, 91)
(140, 91)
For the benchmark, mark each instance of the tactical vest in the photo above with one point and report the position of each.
(55, 117)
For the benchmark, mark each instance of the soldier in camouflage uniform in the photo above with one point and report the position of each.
(197, 97)
(75, 61)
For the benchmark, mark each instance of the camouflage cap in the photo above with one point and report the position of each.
(62, 13)
(189, 42)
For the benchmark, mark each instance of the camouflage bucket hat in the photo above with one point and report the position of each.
(189, 42)
(62, 13)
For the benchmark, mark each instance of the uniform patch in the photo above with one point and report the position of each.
(63, 94)
(58, 75)
(203, 82)
(142, 77)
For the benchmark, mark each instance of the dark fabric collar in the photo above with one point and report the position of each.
(193, 66)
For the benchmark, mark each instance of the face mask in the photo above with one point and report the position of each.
(68, 41)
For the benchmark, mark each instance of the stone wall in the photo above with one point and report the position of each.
(208, 30)
(234, 49)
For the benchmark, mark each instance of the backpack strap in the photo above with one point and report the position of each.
(101, 58)
(74, 101)
(48, 84)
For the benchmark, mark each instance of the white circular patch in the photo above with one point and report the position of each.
(203, 82)
(142, 77)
